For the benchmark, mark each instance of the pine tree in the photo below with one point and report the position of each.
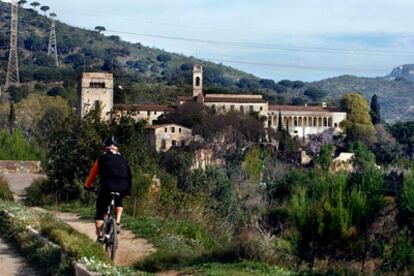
(375, 110)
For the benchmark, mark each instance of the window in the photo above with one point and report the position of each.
(336, 125)
(174, 143)
(155, 112)
(148, 113)
(97, 85)
(97, 104)
(242, 109)
(198, 81)
(172, 129)
(165, 129)
(164, 144)
(232, 108)
(213, 108)
(251, 108)
(261, 108)
(179, 129)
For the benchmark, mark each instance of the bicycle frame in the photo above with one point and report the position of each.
(110, 229)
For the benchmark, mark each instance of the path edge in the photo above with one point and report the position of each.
(80, 268)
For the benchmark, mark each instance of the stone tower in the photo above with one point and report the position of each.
(96, 91)
(197, 80)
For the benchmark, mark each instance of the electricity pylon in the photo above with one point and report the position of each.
(13, 77)
(52, 51)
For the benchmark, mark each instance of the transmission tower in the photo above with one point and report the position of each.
(12, 77)
(52, 39)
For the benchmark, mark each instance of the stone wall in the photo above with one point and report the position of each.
(18, 166)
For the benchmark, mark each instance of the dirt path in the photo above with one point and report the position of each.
(20, 181)
(12, 263)
(130, 248)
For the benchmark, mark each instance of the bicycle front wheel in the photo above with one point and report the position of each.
(112, 241)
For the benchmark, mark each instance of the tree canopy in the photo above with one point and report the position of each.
(358, 124)
(44, 9)
(314, 93)
(100, 29)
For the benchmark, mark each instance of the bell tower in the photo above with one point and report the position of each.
(96, 91)
(197, 80)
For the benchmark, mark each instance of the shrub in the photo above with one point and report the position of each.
(399, 255)
(39, 193)
(406, 201)
(16, 147)
(5, 192)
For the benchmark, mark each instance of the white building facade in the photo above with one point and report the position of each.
(301, 121)
(167, 136)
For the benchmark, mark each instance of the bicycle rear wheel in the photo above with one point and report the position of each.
(112, 242)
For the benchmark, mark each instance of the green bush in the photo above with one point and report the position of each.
(15, 146)
(39, 193)
(399, 255)
(5, 192)
(406, 200)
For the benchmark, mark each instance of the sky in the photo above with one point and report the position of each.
(289, 39)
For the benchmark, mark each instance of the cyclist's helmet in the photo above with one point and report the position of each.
(111, 141)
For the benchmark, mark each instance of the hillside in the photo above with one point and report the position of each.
(154, 69)
(396, 97)
(151, 75)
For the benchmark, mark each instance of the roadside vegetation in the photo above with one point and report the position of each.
(51, 260)
(260, 207)
(5, 193)
(255, 210)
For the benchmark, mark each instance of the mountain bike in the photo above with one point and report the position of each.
(110, 228)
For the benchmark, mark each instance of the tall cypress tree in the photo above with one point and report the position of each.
(375, 110)
(12, 118)
(279, 125)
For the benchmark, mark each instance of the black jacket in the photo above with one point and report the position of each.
(114, 173)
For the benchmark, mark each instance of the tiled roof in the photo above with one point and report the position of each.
(233, 100)
(302, 108)
(185, 98)
(143, 107)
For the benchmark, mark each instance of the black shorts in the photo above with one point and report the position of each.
(102, 203)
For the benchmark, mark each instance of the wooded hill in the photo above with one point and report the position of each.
(153, 75)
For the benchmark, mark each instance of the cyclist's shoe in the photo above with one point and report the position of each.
(118, 228)
(100, 239)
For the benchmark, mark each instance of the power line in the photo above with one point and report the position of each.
(376, 52)
(284, 65)
(287, 48)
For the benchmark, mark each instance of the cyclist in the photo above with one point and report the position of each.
(115, 176)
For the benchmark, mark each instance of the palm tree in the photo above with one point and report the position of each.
(35, 5)
(52, 14)
(44, 9)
